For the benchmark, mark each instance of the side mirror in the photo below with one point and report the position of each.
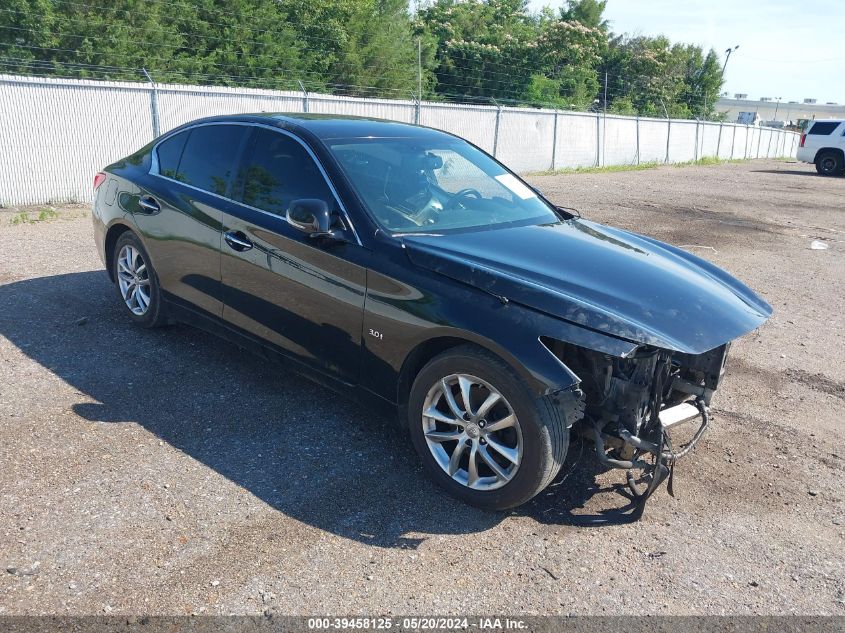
(312, 216)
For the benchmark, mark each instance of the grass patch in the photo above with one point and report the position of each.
(20, 218)
(708, 160)
(45, 214)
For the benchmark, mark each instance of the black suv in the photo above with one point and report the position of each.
(407, 267)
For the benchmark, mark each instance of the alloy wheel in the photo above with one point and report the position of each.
(133, 279)
(828, 164)
(472, 432)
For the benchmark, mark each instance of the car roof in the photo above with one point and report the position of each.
(333, 126)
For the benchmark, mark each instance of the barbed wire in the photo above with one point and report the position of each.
(49, 68)
(118, 73)
(502, 93)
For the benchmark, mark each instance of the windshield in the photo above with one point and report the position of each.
(436, 185)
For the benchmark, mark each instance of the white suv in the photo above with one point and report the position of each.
(824, 144)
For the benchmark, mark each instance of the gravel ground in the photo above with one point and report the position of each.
(168, 472)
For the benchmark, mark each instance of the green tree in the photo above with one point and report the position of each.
(26, 35)
(663, 79)
(380, 53)
(484, 49)
(570, 53)
(590, 13)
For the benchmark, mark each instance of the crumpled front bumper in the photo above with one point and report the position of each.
(658, 448)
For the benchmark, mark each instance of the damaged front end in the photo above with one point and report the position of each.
(635, 405)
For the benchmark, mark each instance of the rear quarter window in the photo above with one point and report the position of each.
(169, 153)
(823, 128)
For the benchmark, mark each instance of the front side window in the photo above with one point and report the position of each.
(277, 170)
(824, 127)
(436, 184)
(209, 155)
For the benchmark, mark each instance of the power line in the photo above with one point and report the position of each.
(205, 62)
(290, 33)
(239, 79)
(109, 72)
(186, 47)
(505, 93)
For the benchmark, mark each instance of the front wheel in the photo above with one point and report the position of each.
(830, 164)
(480, 432)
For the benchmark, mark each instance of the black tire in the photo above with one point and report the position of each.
(544, 433)
(830, 163)
(154, 315)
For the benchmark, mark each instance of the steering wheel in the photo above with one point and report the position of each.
(460, 195)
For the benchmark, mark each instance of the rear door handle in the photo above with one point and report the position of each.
(149, 204)
(237, 240)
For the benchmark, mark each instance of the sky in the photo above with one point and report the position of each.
(791, 49)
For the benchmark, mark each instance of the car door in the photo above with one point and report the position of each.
(301, 294)
(180, 214)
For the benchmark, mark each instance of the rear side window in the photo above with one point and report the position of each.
(209, 155)
(824, 127)
(169, 153)
(279, 170)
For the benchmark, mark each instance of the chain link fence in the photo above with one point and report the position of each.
(55, 134)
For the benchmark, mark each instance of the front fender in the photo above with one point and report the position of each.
(401, 318)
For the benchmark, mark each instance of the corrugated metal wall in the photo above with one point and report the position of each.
(55, 134)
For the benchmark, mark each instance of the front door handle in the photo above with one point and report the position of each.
(237, 240)
(148, 204)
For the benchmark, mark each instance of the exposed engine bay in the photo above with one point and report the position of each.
(632, 405)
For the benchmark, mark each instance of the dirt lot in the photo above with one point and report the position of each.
(168, 472)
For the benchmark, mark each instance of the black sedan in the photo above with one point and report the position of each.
(406, 267)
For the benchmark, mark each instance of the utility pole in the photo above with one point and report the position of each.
(727, 57)
(771, 131)
(604, 124)
(605, 92)
(419, 69)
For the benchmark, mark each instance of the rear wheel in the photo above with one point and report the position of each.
(136, 281)
(830, 164)
(480, 432)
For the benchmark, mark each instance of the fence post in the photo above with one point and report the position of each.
(153, 105)
(638, 139)
(695, 147)
(304, 96)
(759, 140)
(733, 141)
(668, 136)
(554, 142)
(745, 145)
(719, 143)
(496, 132)
(598, 140)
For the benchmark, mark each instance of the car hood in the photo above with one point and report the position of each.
(605, 279)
